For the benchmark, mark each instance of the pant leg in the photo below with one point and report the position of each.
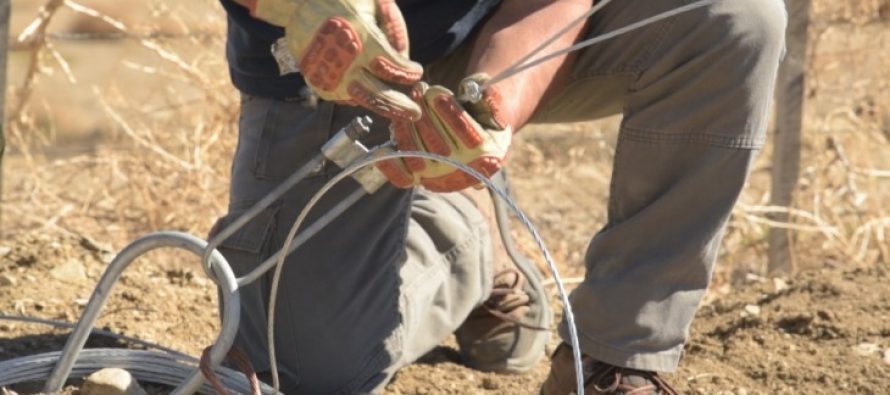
(695, 92)
(380, 286)
(445, 273)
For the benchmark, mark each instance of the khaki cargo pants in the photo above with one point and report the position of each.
(401, 270)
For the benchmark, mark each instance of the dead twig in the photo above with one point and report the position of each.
(34, 38)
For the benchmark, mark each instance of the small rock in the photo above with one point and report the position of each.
(71, 271)
(111, 381)
(887, 356)
(752, 309)
(29, 278)
(7, 280)
(490, 384)
(202, 281)
(780, 284)
(753, 278)
(867, 349)
(741, 391)
(4, 251)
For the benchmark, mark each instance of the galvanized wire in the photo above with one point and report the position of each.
(522, 66)
(377, 155)
(41, 365)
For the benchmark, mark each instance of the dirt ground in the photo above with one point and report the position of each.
(826, 330)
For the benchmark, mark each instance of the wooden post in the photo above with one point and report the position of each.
(787, 140)
(5, 10)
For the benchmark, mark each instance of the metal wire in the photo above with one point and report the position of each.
(145, 366)
(520, 67)
(377, 155)
(229, 294)
(584, 17)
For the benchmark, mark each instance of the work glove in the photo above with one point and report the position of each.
(474, 134)
(349, 51)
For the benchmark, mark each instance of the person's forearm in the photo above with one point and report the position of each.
(516, 28)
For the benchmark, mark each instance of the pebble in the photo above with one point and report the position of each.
(490, 384)
(7, 280)
(202, 282)
(752, 309)
(4, 251)
(111, 381)
(71, 271)
(780, 284)
(887, 356)
(867, 349)
(753, 278)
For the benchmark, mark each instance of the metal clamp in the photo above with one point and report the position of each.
(345, 148)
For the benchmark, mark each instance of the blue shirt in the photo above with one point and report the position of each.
(435, 28)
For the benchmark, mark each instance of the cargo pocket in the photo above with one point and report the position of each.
(283, 135)
(245, 250)
(253, 236)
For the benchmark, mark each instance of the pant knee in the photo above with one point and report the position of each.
(757, 27)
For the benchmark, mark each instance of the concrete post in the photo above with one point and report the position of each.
(787, 140)
(5, 9)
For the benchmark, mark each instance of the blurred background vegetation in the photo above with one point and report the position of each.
(122, 121)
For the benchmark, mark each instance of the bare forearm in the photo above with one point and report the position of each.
(518, 27)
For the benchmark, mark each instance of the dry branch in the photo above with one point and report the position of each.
(34, 37)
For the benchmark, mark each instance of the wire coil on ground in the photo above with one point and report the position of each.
(146, 366)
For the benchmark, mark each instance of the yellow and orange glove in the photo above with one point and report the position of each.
(474, 134)
(350, 51)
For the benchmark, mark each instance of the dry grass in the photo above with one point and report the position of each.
(159, 160)
(841, 214)
(156, 164)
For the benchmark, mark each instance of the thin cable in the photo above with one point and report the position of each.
(513, 70)
(556, 36)
(372, 158)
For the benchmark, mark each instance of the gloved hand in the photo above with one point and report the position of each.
(474, 134)
(352, 51)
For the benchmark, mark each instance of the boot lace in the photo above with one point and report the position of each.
(507, 297)
(610, 379)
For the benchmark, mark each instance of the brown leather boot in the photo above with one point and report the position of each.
(600, 378)
(508, 333)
